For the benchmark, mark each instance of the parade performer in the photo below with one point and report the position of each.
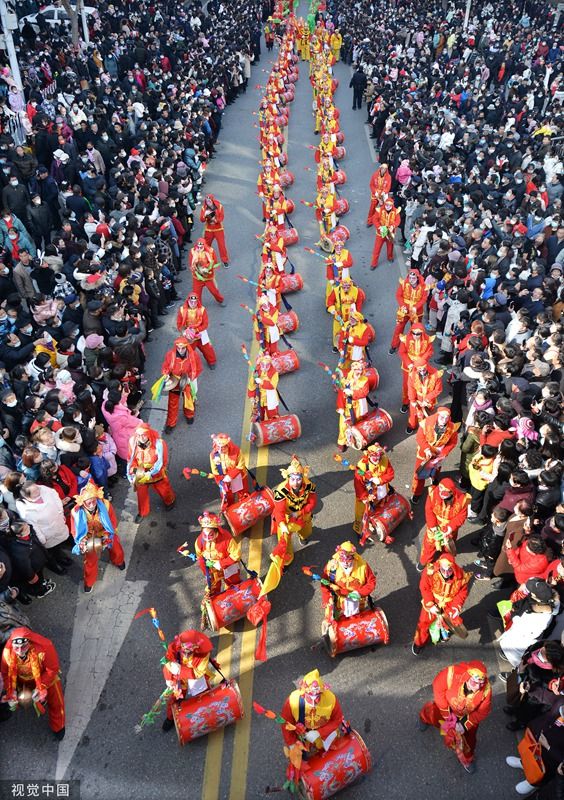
(436, 437)
(212, 215)
(265, 325)
(352, 402)
(336, 42)
(294, 501)
(273, 248)
(181, 368)
(315, 715)
(444, 589)
(271, 150)
(326, 148)
(424, 387)
(416, 347)
(354, 339)
(446, 510)
(411, 296)
(380, 186)
(385, 219)
(229, 469)
(269, 283)
(326, 175)
(325, 205)
(266, 181)
(303, 40)
(277, 208)
(262, 389)
(31, 674)
(94, 528)
(373, 476)
(352, 582)
(192, 322)
(343, 298)
(462, 699)
(203, 264)
(218, 554)
(188, 669)
(147, 467)
(338, 265)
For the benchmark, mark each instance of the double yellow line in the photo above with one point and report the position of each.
(240, 758)
(212, 767)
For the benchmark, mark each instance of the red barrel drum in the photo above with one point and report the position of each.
(291, 283)
(283, 158)
(281, 121)
(290, 236)
(281, 429)
(342, 206)
(206, 712)
(361, 630)
(286, 179)
(291, 207)
(369, 429)
(288, 96)
(243, 515)
(339, 153)
(280, 139)
(288, 322)
(387, 516)
(285, 361)
(340, 137)
(231, 605)
(340, 177)
(373, 378)
(326, 773)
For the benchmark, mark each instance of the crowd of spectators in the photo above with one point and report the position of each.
(470, 123)
(102, 159)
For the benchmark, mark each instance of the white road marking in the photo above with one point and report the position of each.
(100, 626)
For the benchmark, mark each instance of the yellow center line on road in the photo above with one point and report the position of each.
(240, 760)
(214, 752)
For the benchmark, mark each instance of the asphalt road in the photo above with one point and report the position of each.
(111, 662)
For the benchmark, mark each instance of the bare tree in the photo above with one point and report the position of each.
(73, 16)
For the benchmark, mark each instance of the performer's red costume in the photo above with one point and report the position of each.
(30, 664)
(192, 322)
(212, 215)
(462, 699)
(436, 437)
(182, 366)
(446, 510)
(411, 296)
(147, 466)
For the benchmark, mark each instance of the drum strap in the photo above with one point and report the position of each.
(301, 711)
(333, 575)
